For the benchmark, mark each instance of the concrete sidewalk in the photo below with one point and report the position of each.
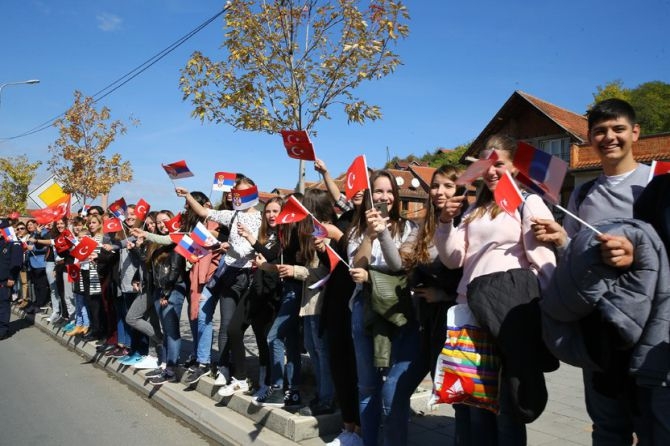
(234, 420)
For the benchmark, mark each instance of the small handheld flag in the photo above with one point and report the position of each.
(224, 181)
(320, 231)
(658, 168)
(73, 272)
(142, 209)
(187, 248)
(9, 234)
(52, 213)
(292, 211)
(64, 241)
(202, 236)
(84, 248)
(357, 177)
(507, 195)
(298, 145)
(545, 170)
(177, 170)
(119, 208)
(174, 224)
(245, 198)
(111, 225)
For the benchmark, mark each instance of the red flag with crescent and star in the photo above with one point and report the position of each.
(53, 213)
(111, 225)
(73, 271)
(64, 241)
(292, 211)
(142, 209)
(84, 248)
(507, 194)
(174, 224)
(357, 177)
(298, 145)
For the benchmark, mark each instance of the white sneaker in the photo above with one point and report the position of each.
(147, 362)
(234, 386)
(221, 379)
(53, 318)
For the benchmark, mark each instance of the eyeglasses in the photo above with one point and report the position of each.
(21, 229)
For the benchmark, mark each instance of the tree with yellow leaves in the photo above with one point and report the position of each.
(16, 173)
(79, 159)
(287, 61)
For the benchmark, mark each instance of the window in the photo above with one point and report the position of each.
(557, 147)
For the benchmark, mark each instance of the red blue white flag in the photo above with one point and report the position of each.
(187, 248)
(320, 231)
(9, 234)
(545, 170)
(507, 194)
(119, 208)
(202, 236)
(224, 181)
(298, 145)
(658, 168)
(177, 170)
(245, 198)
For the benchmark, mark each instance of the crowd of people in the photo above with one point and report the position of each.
(369, 347)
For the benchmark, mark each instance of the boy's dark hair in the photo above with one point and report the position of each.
(611, 109)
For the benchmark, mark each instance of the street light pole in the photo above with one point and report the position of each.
(28, 82)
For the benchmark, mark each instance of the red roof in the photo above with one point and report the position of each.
(645, 150)
(572, 122)
(424, 174)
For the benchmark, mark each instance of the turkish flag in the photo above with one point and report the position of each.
(84, 248)
(507, 195)
(52, 213)
(111, 225)
(292, 211)
(63, 242)
(174, 224)
(333, 257)
(298, 145)
(73, 271)
(357, 177)
(142, 209)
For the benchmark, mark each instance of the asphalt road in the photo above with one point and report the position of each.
(50, 396)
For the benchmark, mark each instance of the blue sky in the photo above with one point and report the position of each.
(462, 60)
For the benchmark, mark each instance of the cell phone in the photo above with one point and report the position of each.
(460, 191)
(383, 209)
(131, 239)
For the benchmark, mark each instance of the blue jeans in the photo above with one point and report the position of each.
(284, 338)
(53, 288)
(201, 328)
(123, 330)
(388, 390)
(80, 311)
(317, 347)
(169, 316)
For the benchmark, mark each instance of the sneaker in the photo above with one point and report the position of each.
(154, 373)
(314, 410)
(275, 398)
(235, 385)
(105, 348)
(53, 318)
(261, 395)
(147, 362)
(347, 438)
(69, 327)
(193, 376)
(292, 398)
(166, 376)
(190, 362)
(131, 359)
(118, 352)
(221, 378)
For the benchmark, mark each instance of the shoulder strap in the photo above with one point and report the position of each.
(583, 192)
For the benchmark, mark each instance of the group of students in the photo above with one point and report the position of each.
(366, 359)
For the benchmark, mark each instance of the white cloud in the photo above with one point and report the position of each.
(109, 22)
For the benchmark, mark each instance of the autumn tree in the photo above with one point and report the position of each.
(651, 101)
(16, 173)
(79, 156)
(286, 62)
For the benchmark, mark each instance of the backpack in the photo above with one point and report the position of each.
(583, 192)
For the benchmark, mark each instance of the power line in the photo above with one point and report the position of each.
(132, 74)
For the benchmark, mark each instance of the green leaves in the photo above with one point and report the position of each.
(16, 173)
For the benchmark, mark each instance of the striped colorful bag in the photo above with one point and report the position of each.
(468, 368)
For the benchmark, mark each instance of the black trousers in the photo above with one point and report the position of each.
(38, 277)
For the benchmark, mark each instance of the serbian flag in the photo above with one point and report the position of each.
(320, 231)
(177, 170)
(507, 195)
(187, 248)
(174, 224)
(224, 181)
(9, 234)
(545, 170)
(298, 145)
(111, 225)
(52, 213)
(245, 198)
(64, 241)
(357, 177)
(142, 209)
(202, 236)
(118, 209)
(292, 211)
(84, 248)
(658, 168)
(73, 272)
(477, 169)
